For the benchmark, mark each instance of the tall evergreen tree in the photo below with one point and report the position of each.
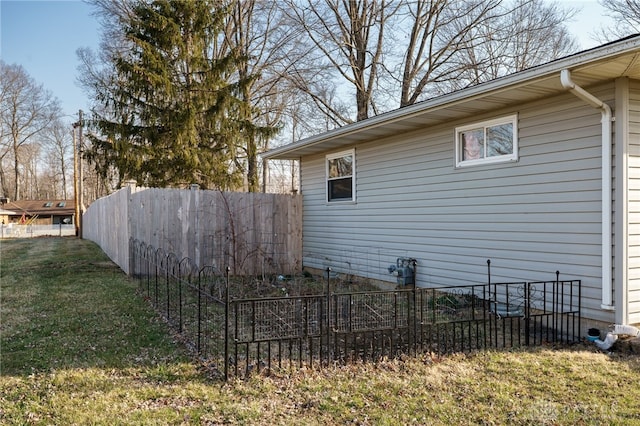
(172, 111)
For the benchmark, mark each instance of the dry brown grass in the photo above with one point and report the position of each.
(79, 347)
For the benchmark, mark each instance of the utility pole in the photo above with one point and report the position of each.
(76, 201)
(80, 178)
(78, 187)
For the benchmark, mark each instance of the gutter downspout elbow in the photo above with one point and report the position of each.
(607, 285)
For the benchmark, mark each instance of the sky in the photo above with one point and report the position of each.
(43, 36)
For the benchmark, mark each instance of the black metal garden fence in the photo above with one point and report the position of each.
(237, 336)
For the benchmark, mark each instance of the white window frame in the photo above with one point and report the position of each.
(484, 125)
(333, 156)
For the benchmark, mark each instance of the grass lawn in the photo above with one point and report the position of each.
(78, 346)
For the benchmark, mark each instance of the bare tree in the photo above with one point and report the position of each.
(27, 110)
(256, 29)
(535, 33)
(29, 176)
(518, 35)
(458, 43)
(626, 17)
(58, 147)
(346, 37)
(414, 49)
(48, 178)
(440, 29)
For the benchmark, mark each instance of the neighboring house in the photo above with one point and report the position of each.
(538, 171)
(5, 214)
(39, 212)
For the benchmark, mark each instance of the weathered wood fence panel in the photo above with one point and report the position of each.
(107, 225)
(252, 233)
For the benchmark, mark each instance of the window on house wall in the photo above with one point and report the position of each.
(341, 176)
(490, 141)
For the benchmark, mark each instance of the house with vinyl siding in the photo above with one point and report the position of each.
(538, 171)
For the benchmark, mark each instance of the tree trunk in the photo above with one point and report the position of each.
(252, 165)
(16, 175)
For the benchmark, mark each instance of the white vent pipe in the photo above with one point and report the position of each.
(612, 336)
(607, 286)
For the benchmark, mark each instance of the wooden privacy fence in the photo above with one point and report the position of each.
(252, 233)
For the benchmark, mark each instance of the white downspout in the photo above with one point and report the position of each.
(567, 83)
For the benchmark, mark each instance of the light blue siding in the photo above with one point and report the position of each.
(530, 218)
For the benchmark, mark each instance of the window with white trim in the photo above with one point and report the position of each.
(490, 141)
(341, 176)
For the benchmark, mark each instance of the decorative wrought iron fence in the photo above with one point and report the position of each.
(236, 336)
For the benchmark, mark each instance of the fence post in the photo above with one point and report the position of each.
(415, 307)
(226, 326)
(493, 304)
(558, 309)
(527, 313)
(329, 349)
(579, 308)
